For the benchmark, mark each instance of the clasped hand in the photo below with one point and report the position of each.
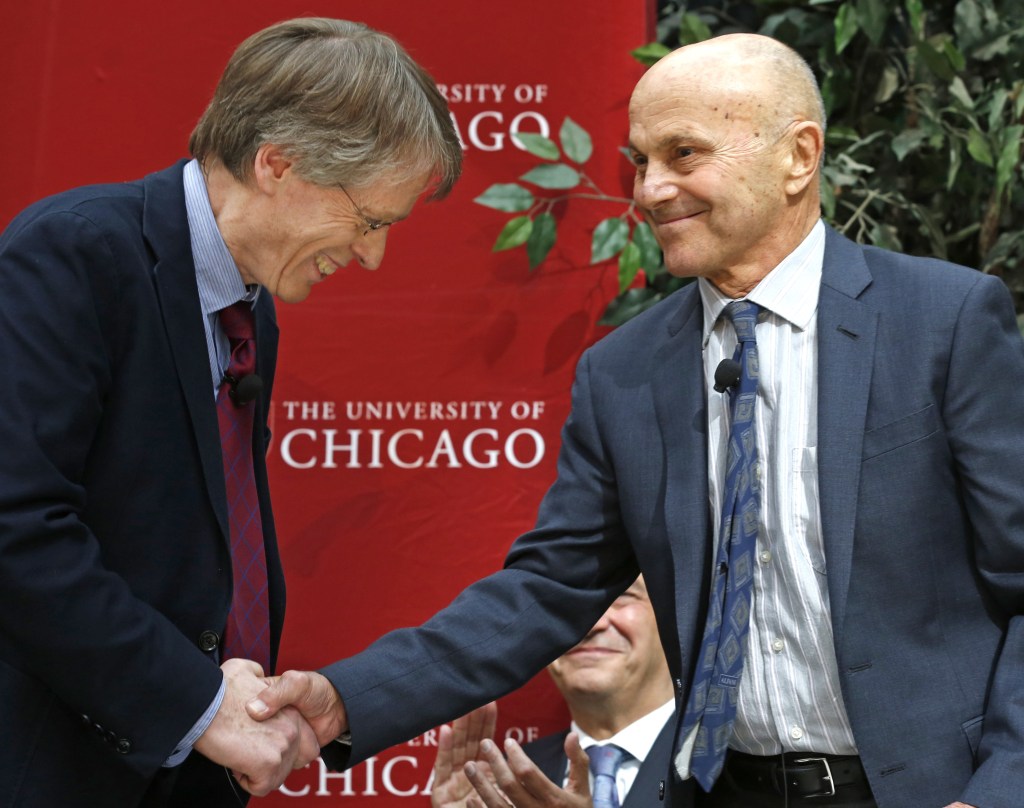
(259, 754)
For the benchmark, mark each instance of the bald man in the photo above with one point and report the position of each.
(878, 656)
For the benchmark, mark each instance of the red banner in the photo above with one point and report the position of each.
(417, 409)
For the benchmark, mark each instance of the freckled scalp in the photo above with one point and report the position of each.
(748, 76)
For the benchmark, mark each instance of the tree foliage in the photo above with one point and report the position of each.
(925, 104)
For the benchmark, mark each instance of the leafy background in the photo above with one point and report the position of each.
(925, 104)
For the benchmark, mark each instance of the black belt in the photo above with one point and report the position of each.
(798, 775)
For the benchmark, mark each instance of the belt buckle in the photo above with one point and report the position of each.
(827, 777)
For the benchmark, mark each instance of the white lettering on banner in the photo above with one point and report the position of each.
(469, 93)
(482, 93)
(399, 776)
(410, 449)
(486, 130)
(423, 410)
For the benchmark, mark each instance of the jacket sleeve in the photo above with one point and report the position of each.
(557, 581)
(984, 412)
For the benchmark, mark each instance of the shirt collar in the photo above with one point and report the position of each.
(220, 283)
(638, 737)
(790, 290)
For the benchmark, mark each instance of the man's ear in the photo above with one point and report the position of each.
(271, 167)
(806, 145)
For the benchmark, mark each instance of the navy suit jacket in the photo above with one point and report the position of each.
(921, 480)
(114, 556)
(649, 787)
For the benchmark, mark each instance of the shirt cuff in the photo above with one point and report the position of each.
(182, 750)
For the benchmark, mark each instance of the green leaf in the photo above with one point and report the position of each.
(557, 175)
(935, 61)
(915, 9)
(576, 142)
(629, 265)
(538, 145)
(846, 26)
(513, 234)
(609, 238)
(629, 304)
(873, 15)
(996, 107)
(541, 240)
(978, 147)
(967, 23)
(692, 29)
(508, 197)
(885, 236)
(955, 161)
(1000, 46)
(906, 141)
(650, 53)
(1009, 156)
(952, 53)
(959, 91)
(888, 84)
(650, 252)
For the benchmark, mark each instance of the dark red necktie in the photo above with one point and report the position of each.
(248, 629)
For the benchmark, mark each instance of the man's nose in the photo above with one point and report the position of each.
(369, 249)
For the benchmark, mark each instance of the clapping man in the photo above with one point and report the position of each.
(616, 684)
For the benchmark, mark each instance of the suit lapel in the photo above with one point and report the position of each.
(678, 389)
(647, 789)
(165, 225)
(846, 347)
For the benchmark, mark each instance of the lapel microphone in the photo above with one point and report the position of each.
(727, 375)
(245, 389)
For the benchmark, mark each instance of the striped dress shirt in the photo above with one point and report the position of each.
(789, 692)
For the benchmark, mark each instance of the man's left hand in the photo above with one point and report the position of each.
(519, 783)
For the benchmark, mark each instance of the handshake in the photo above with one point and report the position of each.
(268, 726)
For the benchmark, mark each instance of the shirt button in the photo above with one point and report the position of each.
(778, 645)
(796, 733)
(765, 556)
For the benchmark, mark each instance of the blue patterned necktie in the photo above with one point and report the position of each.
(604, 764)
(712, 703)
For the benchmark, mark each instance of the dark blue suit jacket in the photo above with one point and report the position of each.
(921, 479)
(648, 789)
(114, 559)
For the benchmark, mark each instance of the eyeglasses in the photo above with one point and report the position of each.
(372, 225)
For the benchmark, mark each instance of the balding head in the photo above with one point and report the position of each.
(727, 136)
(742, 66)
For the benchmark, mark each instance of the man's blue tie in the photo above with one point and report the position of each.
(604, 764)
(712, 703)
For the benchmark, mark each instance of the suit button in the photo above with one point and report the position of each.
(209, 640)
(124, 746)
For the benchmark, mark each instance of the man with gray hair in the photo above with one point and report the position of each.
(141, 591)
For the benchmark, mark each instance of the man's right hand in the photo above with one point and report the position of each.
(259, 754)
(456, 746)
(311, 694)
